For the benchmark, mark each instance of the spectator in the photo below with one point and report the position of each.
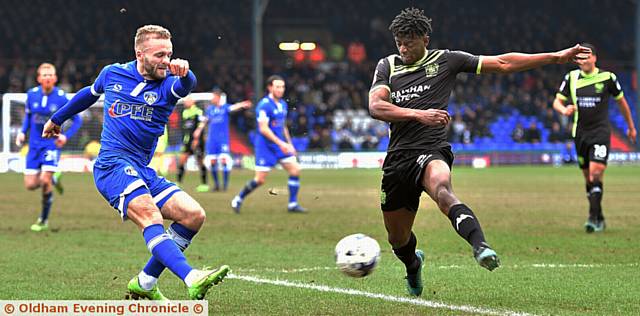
(518, 133)
(532, 134)
(557, 135)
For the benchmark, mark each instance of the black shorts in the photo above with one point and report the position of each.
(592, 147)
(186, 147)
(402, 176)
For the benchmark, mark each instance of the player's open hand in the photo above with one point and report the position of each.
(568, 110)
(632, 134)
(61, 140)
(51, 130)
(179, 67)
(574, 54)
(433, 117)
(20, 139)
(287, 148)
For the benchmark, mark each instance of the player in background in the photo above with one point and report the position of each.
(41, 170)
(273, 145)
(157, 162)
(192, 117)
(411, 91)
(584, 93)
(139, 97)
(218, 150)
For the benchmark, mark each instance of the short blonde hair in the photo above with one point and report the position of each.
(150, 31)
(45, 66)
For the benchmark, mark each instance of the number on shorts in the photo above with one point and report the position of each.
(50, 155)
(600, 151)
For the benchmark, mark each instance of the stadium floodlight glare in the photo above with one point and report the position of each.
(289, 46)
(308, 46)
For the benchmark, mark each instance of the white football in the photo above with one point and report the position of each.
(357, 255)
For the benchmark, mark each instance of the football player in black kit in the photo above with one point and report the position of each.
(411, 91)
(584, 93)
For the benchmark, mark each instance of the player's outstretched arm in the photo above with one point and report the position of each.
(381, 108)
(626, 112)
(515, 62)
(80, 102)
(240, 105)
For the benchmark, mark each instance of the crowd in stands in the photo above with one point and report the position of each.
(328, 92)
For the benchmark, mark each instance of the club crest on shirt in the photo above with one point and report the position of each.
(431, 69)
(150, 97)
(599, 87)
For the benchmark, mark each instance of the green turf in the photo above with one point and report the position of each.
(531, 215)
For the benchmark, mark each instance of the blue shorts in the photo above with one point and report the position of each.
(42, 158)
(217, 148)
(120, 179)
(267, 157)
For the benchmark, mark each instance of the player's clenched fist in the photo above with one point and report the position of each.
(433, 117)
(179, 67)
(51, 129)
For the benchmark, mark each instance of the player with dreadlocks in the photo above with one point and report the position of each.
(411, 91)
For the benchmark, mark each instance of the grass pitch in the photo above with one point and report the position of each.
(283, 263)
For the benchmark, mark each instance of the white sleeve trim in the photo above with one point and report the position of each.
(174, 91)
(262, 116)
(94, 92)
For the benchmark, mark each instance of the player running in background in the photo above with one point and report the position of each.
(139, 97)
(273, 145)
(584, 93)
(218, 150)
(192, 118)
(411, 91)
(41, 170)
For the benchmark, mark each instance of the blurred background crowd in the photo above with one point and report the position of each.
(327, 88)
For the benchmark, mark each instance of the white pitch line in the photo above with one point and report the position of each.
(390, 298)
(287, 270)
(548, 266)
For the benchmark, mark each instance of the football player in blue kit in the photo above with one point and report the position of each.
(139, 97)
(41, 170)
(273, 145)
(217, 144)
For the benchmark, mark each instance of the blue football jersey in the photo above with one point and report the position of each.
(275, 113)
(218, 118)
(38, 109)
(136, 110)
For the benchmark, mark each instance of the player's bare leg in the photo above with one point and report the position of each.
(437, 182)
(398, 224)
(594, 178)
(293, 169)
(32, 181)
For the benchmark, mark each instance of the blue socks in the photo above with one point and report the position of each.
(182, 236)
(47, 200)
(214, 175)
(294, 186)
(248, 188)
(225, 175)
(165, 250)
